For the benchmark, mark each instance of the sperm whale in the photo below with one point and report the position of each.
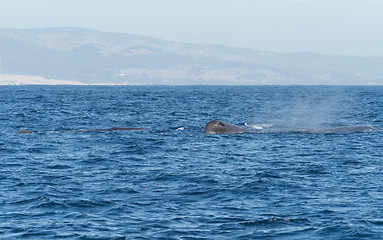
(220, 127)
(91, 130)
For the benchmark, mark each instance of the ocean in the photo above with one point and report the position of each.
(171, 181)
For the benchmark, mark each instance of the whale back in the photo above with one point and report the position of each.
(219, 127)
(344, 129)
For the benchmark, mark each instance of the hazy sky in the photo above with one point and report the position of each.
(346, 27)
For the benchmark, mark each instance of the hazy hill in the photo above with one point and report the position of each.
(93, 57)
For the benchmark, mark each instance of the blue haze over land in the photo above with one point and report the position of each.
(246, 42)
(171, 181)
(94, 57)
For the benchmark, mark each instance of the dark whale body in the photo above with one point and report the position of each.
(343, 129)
(108, 129)
(25, 131)
(92, 130)
(219, 127)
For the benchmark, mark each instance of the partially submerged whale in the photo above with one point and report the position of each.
(25, 131)
(91, 130)
(107, 129)
(219, 127)
(343, 129)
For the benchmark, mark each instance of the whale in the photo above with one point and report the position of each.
(25, 131)
(220, 127)
(108, 129)
(343, 130)
(90, 130)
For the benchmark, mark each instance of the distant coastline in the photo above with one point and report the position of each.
(76, 56)
(16, 79)
(20, 80)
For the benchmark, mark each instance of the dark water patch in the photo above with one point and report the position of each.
(59, 167)
(275, 221)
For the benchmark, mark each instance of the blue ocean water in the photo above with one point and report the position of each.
(171, 181)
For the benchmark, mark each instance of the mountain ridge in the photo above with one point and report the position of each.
(94, 57)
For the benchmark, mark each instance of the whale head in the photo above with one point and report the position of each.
(219, 127)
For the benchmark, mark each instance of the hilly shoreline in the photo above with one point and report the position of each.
(75, 56)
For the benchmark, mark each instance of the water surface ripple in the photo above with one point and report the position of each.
(170, 181)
